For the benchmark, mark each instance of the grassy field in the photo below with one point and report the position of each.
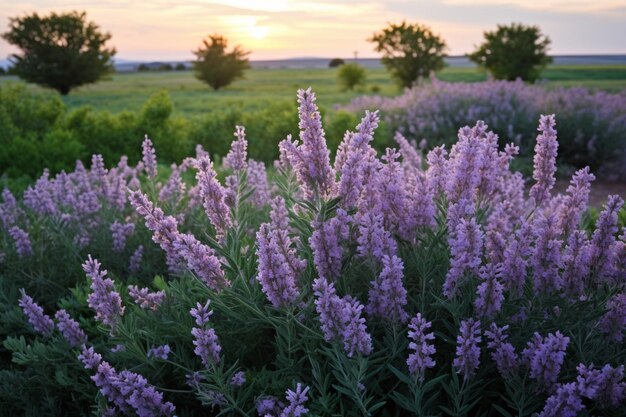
(129, 91)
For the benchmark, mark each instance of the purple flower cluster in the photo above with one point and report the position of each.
(103, 298)
(238, 379)
(603, 240)
(296, 400)
(502, 352)
(146, 299)
(341, 318)
(134, 263)
(213, 195)
(159, 352)
(544, 160)
(127, 391)
(490, 292)
(311, 159)
(466, 246)
(613, 323)
(544, 357)
(120, 232)
(41, 322)
(70, 329)
(207, 347)
(421, 358)
(23, 246)
(467, 357)
(149, 158)
(326, 242)
(387, 295)
(257, 180)
(237, 156)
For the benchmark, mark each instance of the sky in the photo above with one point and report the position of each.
(279, 29)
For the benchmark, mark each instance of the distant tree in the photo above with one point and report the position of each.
(410, 51)
(351, 75)
(217, 67)
(180, 67)
(336, 62)
(60, 51)
(2, 71)
(165, 67)
(513, 51)
(143, 67)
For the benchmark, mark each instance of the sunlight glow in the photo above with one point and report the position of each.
(258, 32)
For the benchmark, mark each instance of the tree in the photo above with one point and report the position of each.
(217, 67)
(410, 51)
(350, 75)
(514, 51)
(180, 67)
(336, 62)
(60, 51)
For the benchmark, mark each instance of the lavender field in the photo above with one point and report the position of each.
(427, 279)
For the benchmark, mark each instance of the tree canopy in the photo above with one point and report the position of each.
(410, 51)
(60, 51)
(217, 67)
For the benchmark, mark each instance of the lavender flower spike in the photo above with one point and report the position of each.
(22, 242)
(603, 240)
(296, 399)
(421, 358)
(212, 196)
(502, 352)
(465, 249)
(467, 357)
(205, 340)
(149, 158)
(70, 329)
(237, 156)
(544, 357)
(490, 292)
(103, 298)
(41, 322)
(544, 160)
(613, 323)
(387, 296)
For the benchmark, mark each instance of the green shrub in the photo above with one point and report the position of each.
(351, 75)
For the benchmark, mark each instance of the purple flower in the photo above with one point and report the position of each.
(515, 259)
(237, 155)
(127, 391)
(436, 173)
(373, 239)
(212, 194)
(489, 293)
(22, 242)
(387, 295)
(70, 329)
(326, 244)
(311, 159)
(120, 232)
(466, 246)
(341, 318)
(502, 352)
(90, 358)
(257, 179)
(603, 240)
(9, 210)
(134, 264)
(613, 323)
(566, 402)
(159, 352)
(103, 298)
(410, 156)
(574, 204)
(149, 158)
(296, 400)
(206, 344)
(174, 189)
(467, 357)
(544, 160)
(146, 299)
(576, 263)
(41, 322)
(605, 385)
(238, 379)
(421, 358)
(544, 357)
(277, 278)
(202, 260)
(546, 258)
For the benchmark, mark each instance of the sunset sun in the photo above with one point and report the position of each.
(258, 32)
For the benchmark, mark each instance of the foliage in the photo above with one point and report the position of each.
(317, 291)
(592, 123)
(351, 75)
(513, 51)
(60, 51)
(410, 51)
(215, 66)
(336, 62)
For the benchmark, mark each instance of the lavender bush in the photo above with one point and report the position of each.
(592, 124)
(394, 284)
